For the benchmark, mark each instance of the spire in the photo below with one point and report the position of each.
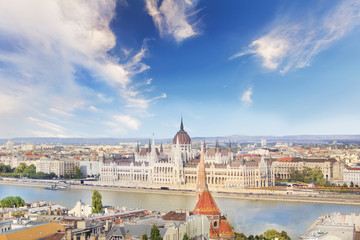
(149, 149)
(229, 146)
(137, 147)
(181, 124)
(204, 147)
(161, 148)
(153, 141)
(217, 146)
(201, 181)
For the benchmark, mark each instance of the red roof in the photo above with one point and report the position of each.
(285, 159)
(354, 169)
(206, 204)
(213, 233)
(225, 230)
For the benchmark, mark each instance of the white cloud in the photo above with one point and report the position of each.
(49, 126)
(246, 98)
(172, 17)
(128, 121)
(293, 45)
(42, 45)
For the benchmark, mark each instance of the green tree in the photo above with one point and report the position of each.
(155, 233)
(2, 168)
(144, 237)
(272, 234)
(96, 202)
(186, 237)
(344, 185)
(21, 168)
(284, 235)
(240, 236)
(251, 237)
(78, 173)
(10, 202)
(30, 171)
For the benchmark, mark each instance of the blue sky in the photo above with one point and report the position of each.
(103, 68)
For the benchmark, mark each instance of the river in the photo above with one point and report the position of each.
(247, 216)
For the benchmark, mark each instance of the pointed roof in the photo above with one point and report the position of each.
(225, 229)
(181, 124)
(201, 178)
(213, 233)
(206, 204)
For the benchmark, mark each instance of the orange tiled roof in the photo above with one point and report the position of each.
(225, 229)
(206, 204)
(213, 233)
(34, 232)
(33, 156)
(285, 159)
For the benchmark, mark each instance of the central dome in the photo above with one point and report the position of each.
(182, 136)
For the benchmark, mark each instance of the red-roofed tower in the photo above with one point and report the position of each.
(201, 179)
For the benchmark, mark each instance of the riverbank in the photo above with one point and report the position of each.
(344, 199)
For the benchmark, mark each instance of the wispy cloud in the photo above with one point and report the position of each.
(294, 43)
(246, 98)
(173, 17)
(123, 123)
(42, 45)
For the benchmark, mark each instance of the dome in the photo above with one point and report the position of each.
(183, 137)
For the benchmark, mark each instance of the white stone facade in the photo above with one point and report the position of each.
(151, 168)
(352, 175)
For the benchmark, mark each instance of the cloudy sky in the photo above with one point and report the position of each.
(104, 68)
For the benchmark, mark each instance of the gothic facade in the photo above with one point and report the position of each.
(178, 170)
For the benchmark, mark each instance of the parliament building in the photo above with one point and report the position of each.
(152, 168)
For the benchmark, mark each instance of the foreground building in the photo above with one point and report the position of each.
(178, 170)
(219, 226)
(334, 226)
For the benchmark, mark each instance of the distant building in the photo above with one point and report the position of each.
(151, 167)
(9, 145)
(284, 166)
(352, 175)
(89, 168)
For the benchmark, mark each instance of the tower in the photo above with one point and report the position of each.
(201, 180)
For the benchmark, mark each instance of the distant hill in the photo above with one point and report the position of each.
(303, 139)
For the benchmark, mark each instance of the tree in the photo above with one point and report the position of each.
(186, 237)
(78, 173)
(144, 237)
(10, 202)
(240, 236)
(155, 233)
(96, 202)
(21, 168)
(272, 234)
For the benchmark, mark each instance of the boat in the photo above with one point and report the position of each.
(55, 187)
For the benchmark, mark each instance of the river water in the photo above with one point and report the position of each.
(247, 216)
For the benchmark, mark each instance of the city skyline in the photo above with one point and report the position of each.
(134, 68)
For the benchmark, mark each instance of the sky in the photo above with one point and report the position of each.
(105, 68)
